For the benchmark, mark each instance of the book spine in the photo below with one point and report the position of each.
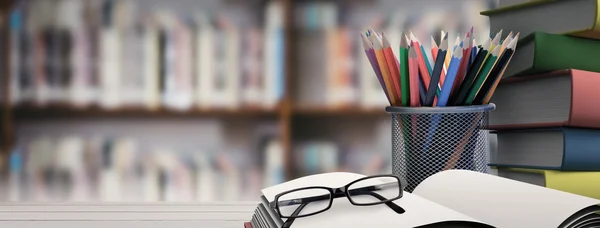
(557, 52)
(581, 150)
(585, 112)
(151, 71)
(205, 63)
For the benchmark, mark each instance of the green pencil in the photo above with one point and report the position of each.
(483, 74)
(404, 84)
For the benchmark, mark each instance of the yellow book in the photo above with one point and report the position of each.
(576, 182)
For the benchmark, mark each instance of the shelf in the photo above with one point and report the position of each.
(339, 111)
(29, 111)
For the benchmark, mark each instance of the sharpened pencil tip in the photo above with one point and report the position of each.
(384, 41)
(496, 39)
(444, 44)
(513, 42)
(496, 51)
(487, 44)
(404, 41)
(457, 41)
(413, 37)
(457, 54)
(366, 44)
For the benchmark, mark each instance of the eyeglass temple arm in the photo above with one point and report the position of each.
(390, 204)
(289, 221)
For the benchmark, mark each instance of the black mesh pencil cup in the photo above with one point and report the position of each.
(427, 140)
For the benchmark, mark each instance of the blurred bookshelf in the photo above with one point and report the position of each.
(175, 96)
(68, 111)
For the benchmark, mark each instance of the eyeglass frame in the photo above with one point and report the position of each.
(343, 191)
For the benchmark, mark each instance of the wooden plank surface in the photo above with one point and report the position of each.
(117, 215)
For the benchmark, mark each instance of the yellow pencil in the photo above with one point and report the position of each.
(385, 71)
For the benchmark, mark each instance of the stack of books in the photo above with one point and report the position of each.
(547, 119)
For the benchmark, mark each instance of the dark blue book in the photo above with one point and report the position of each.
(567, 149)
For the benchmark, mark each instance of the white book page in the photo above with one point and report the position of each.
(418, 211)
(499, 201)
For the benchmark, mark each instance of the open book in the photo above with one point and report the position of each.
(454, 198)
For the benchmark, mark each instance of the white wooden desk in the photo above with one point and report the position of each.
(126, 215)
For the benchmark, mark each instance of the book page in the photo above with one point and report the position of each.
(418, 211)
(499, 201)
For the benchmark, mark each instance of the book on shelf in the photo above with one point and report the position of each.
(274, 54)
(577, 18)
(552, 99)
(569, 149)
(456, 198)
(127, 169)
(576, 182)
(116, 54)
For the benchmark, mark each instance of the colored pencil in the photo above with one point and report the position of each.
(424, 73)
(404, 72)
(394, 67)
(434, 51)
(368, 47)
(472, 72)
(426, 58)
(510, 47)
(434, 48)
(414, 77)
(457, 57)
(385, 71)
(464, 63)
(448, 57)
(493, 76)
(473, 52)
(496, 40)
(422, 90)
(437, 70)
(482, 75)
(506, 42)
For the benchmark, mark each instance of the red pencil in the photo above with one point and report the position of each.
(413, 73)
(393, 65)
(425, 76)
(464, 63)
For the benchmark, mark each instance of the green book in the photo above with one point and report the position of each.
(543, 52)
(573, 17)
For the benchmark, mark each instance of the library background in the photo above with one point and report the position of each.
(186, 100)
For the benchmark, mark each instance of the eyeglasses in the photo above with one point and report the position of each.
(366, 191)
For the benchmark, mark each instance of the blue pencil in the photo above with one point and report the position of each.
(473, 52)
(450, 77)
(444, 95)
